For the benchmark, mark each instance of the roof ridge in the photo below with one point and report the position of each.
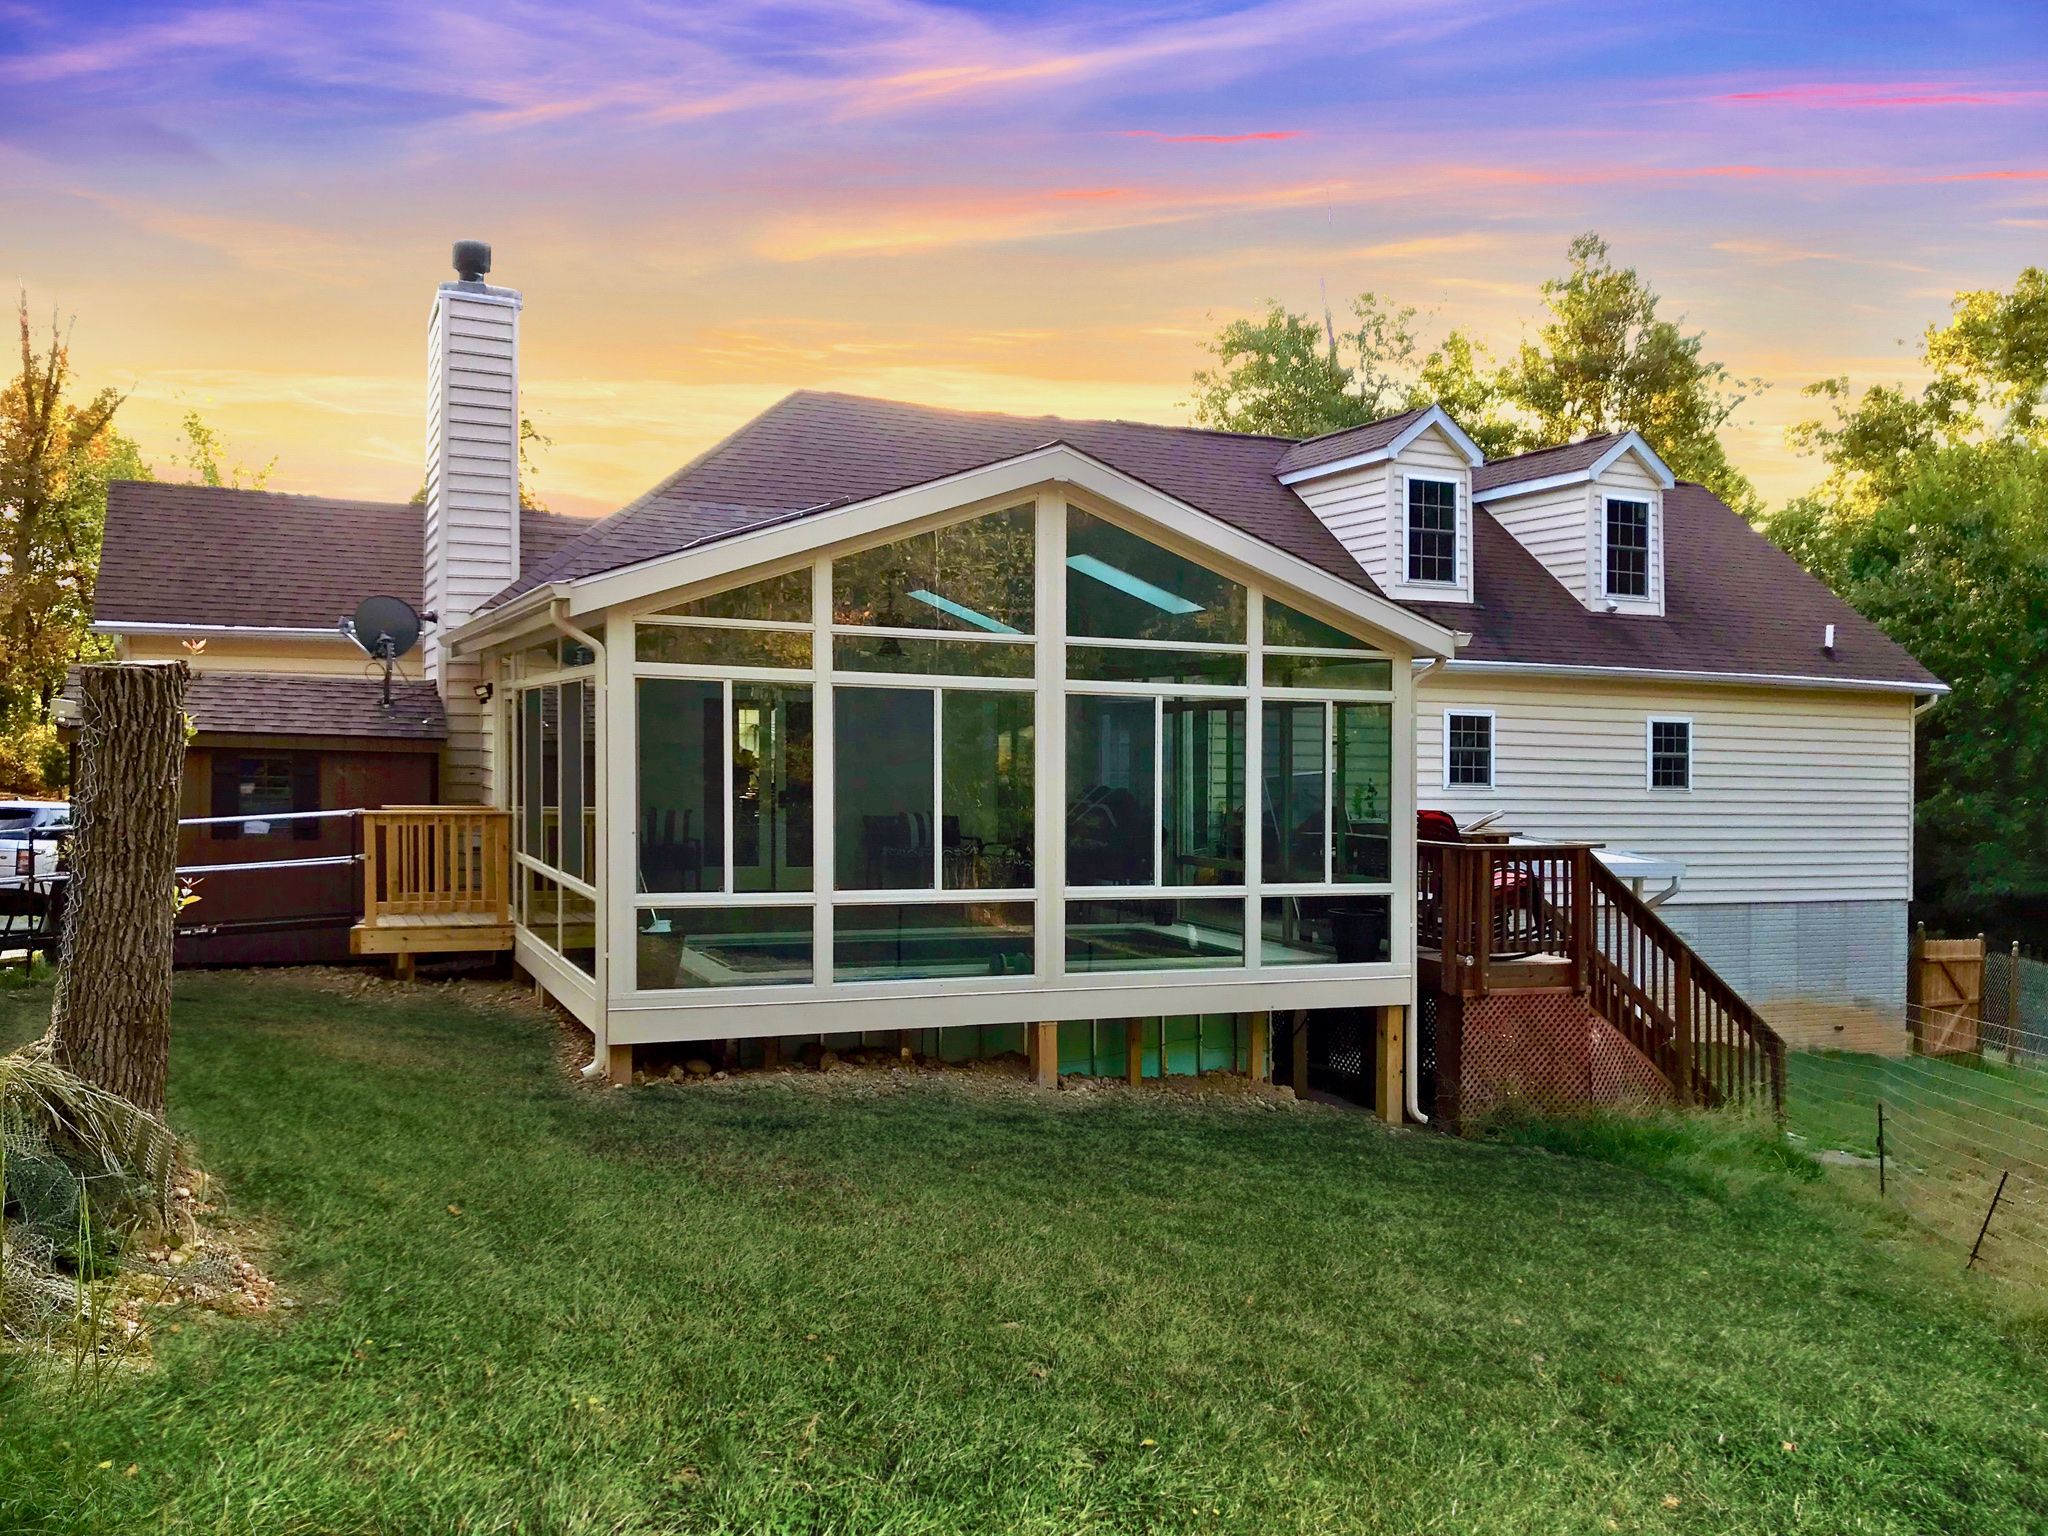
(1078, 421)
(257, 490)
(1377, 421)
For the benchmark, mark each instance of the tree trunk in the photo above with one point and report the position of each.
(111, 1023)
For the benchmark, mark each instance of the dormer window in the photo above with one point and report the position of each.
(1433, 531)
(1628, 548)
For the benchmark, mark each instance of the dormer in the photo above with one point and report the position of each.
(1592, 512)
(1398, 495)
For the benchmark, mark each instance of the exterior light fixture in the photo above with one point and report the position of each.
(483, 693)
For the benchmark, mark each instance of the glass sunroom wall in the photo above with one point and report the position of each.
(1224, 767)
(552, 789)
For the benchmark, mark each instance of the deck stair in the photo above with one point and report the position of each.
(1498, 919)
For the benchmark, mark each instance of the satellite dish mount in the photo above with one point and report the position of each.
(386, 628)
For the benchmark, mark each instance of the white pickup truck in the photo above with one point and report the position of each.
(32, 838)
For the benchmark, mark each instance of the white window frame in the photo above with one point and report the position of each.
(1492, 747)
(1650, 754)
(1649, 593)
(1408, 579)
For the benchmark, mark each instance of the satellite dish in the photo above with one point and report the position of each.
(386, 627)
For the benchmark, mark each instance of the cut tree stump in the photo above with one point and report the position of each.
(111, 1020)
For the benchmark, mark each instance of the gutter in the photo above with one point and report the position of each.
(600, 1031)
(468, 635)
(1681, 675)
(263, 631)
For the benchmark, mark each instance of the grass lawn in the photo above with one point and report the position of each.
(761, 1306)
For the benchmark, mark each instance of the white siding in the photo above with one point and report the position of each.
(1366, 509)
(1565, 528)
(1627, 477)
(1353, 506)
(1798, 795)
(1553, 526)
(471, 523)
(1435, 457)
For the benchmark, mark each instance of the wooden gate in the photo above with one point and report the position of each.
(1945, 995)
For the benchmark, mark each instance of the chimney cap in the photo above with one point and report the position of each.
(472, 259)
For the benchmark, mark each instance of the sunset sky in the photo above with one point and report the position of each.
(1019, 206)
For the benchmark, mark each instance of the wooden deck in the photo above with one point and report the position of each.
(436, 880)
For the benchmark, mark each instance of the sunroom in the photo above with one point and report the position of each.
(1033, 768)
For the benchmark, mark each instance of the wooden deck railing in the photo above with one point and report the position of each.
(1484, 904)
(437, 861)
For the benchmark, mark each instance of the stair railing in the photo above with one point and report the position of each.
(1482, 903)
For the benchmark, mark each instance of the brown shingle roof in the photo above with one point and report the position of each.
(252, 704)
(299, 704)
(1343, 444)
(1733, 603)
(210, 556)
(1561, 460)
(813, 450)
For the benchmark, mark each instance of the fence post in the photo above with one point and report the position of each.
(1917, 948)
(2012, 1007)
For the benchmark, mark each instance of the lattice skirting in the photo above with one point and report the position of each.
(1541, 1049)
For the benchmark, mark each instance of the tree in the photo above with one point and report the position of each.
(1933, 521)
(1603, 360)
(56, 457)
(204, 451)
(1284, 374)
(110, 1022)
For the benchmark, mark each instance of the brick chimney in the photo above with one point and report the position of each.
(472, 508)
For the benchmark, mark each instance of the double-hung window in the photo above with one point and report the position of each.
(1433, 531)
(1628, 548)
(1468, 749)
(1670, 748)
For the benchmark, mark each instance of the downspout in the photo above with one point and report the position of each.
(1412, 1070)
(600, 1031)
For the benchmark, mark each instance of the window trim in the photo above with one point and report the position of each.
(1650, 754)
(1409, 481)
(1492, 747)
(1649, 505)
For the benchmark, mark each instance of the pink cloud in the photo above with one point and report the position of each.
(1268, 136)
(1889, 95)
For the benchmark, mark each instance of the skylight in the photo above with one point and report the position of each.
(965, 614)
(1133, 586)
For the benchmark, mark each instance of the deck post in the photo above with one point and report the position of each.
(771, 1053)
(401, 965)
(1262, 1031)
(1681, 1008)
(1388, 1096)
(1134, 1051)
(618, 1065)
(1045, 1054)
(1298, 1054)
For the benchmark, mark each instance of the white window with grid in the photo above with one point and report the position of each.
(1669, 744)
(1468, 749)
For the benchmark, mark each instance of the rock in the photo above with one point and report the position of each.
(697, 1066)
(718, 1077)
(828, 1061)
(675, 1074)
(640, 1079)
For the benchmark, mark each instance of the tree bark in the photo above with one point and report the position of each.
(111, 1022)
